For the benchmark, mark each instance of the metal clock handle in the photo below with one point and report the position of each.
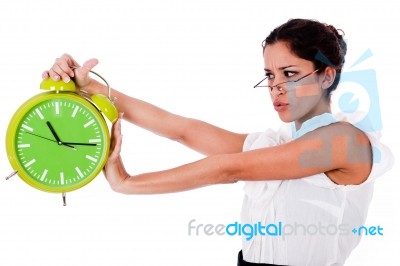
(105, 81)
(104, 103)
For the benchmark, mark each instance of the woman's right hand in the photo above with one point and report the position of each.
(65, 68)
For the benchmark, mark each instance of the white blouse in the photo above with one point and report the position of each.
(310, 220)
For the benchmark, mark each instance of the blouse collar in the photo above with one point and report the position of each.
(312, 124)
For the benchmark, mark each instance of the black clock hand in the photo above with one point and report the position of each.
(57, 137)
(58, 140)
(79, 143)
(40, 136)
(67, 145)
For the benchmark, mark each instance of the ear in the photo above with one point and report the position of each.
(329, 77)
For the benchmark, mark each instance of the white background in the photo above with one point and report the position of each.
(195, 58)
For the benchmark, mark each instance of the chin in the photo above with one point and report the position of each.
(286, 117)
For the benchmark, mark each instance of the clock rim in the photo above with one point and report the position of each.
(12, 132)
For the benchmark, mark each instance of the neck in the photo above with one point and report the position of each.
(319, 110)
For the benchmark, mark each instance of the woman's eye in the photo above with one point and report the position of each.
(289, 73)
(269, 75)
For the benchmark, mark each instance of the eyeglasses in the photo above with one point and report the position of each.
(279, 85)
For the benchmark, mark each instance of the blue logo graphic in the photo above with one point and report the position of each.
(348, 104)
(368, 231)
(364, 82)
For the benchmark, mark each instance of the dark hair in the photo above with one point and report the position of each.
(314, 41)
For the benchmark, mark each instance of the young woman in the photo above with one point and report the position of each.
(315, 173)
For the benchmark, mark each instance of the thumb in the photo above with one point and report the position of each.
(86, 67)
(116, 140)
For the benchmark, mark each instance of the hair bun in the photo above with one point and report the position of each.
(339, 34)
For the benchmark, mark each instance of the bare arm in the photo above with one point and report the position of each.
(195, 134)
(340, 151)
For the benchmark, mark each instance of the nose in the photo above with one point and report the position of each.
(277, 90)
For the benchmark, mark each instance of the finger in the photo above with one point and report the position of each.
(71, 64)
(116, 140)
(71, 61)
(66, 65)
(86, 67)
(63, 68)
(57, 73)
(53, 75)
(116, 134)
(45, 74)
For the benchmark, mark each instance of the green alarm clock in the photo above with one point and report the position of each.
(58, 141)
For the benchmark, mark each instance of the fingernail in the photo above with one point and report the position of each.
(56, 78)
(66, 79)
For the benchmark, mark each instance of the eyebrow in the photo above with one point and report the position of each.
(281, 68)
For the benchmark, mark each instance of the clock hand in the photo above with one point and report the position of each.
(67, 145)
(40, 136)
(58, 140)
(79, 143)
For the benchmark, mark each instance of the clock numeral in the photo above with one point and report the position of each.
(79, 172)
(75, 111)
(91, 158)
(24, 145)
(44, 174)
(62, 178)
(39, 114)
(94, 140)
(88, 123)
(27, 127)
(30, 163)
(57, 105)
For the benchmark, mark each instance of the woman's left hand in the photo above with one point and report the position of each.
(114, 169)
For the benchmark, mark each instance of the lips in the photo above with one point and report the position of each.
(280, 106)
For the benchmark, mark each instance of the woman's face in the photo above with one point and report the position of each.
(294, 101)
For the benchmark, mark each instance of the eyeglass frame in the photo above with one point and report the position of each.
(291, 81)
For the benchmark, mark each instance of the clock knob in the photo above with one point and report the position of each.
(49, 84)
(106, 106)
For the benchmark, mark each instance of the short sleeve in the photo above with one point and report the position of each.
(250, 139)
(268, 138)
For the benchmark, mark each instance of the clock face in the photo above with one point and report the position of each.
(58, 142)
